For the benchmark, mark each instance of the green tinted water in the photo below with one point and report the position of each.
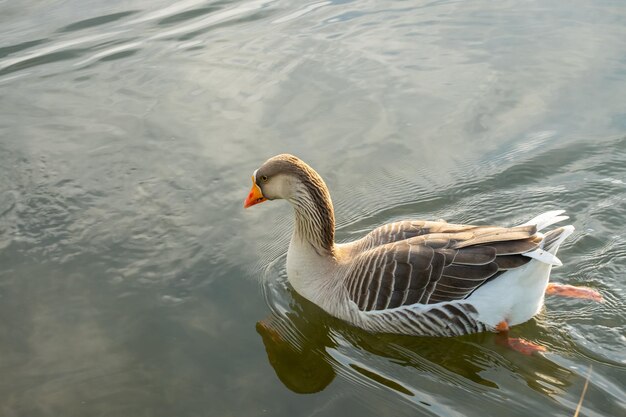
(132, 282)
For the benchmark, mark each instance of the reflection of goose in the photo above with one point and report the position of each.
(301, 346)
(411, 277)
(303, 367)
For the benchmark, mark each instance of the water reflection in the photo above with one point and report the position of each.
(302, 342)
(303, 368)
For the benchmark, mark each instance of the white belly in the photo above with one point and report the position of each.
(514, 297)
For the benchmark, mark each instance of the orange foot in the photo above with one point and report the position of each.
(575, 292)
(520, 345)
(524, 346)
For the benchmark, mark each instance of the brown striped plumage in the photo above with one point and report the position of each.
(438, 262)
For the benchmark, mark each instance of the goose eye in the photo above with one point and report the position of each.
(264, 178)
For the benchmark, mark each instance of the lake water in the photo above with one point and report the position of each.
(133, 283)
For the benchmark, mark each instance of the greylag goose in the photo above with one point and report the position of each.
(413, 277)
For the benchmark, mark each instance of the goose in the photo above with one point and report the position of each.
(414, 277)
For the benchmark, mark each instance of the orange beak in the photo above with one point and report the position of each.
(255, 196)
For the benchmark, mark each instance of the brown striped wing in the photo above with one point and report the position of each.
(435, 267)
(407, 229)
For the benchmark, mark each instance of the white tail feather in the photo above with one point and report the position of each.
(544, 256)
(567, 230)
(547, 219)
(542, 221)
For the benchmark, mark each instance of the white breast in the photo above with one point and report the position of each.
(318, 279)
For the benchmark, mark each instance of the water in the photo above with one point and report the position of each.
(132, 282)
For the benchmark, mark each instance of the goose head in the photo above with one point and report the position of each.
(289, 178)
(278, 178)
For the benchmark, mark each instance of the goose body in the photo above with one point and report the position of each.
(411, 277)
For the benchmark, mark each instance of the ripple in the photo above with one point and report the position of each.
(8, 50)
(238, 14)
(60, 51)
(187, 14)
(301, 12)
(97, 21)
(184, 20)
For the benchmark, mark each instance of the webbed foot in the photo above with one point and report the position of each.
(520, 345)
(565, 290)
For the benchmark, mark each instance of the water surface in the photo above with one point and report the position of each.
(132, 282)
